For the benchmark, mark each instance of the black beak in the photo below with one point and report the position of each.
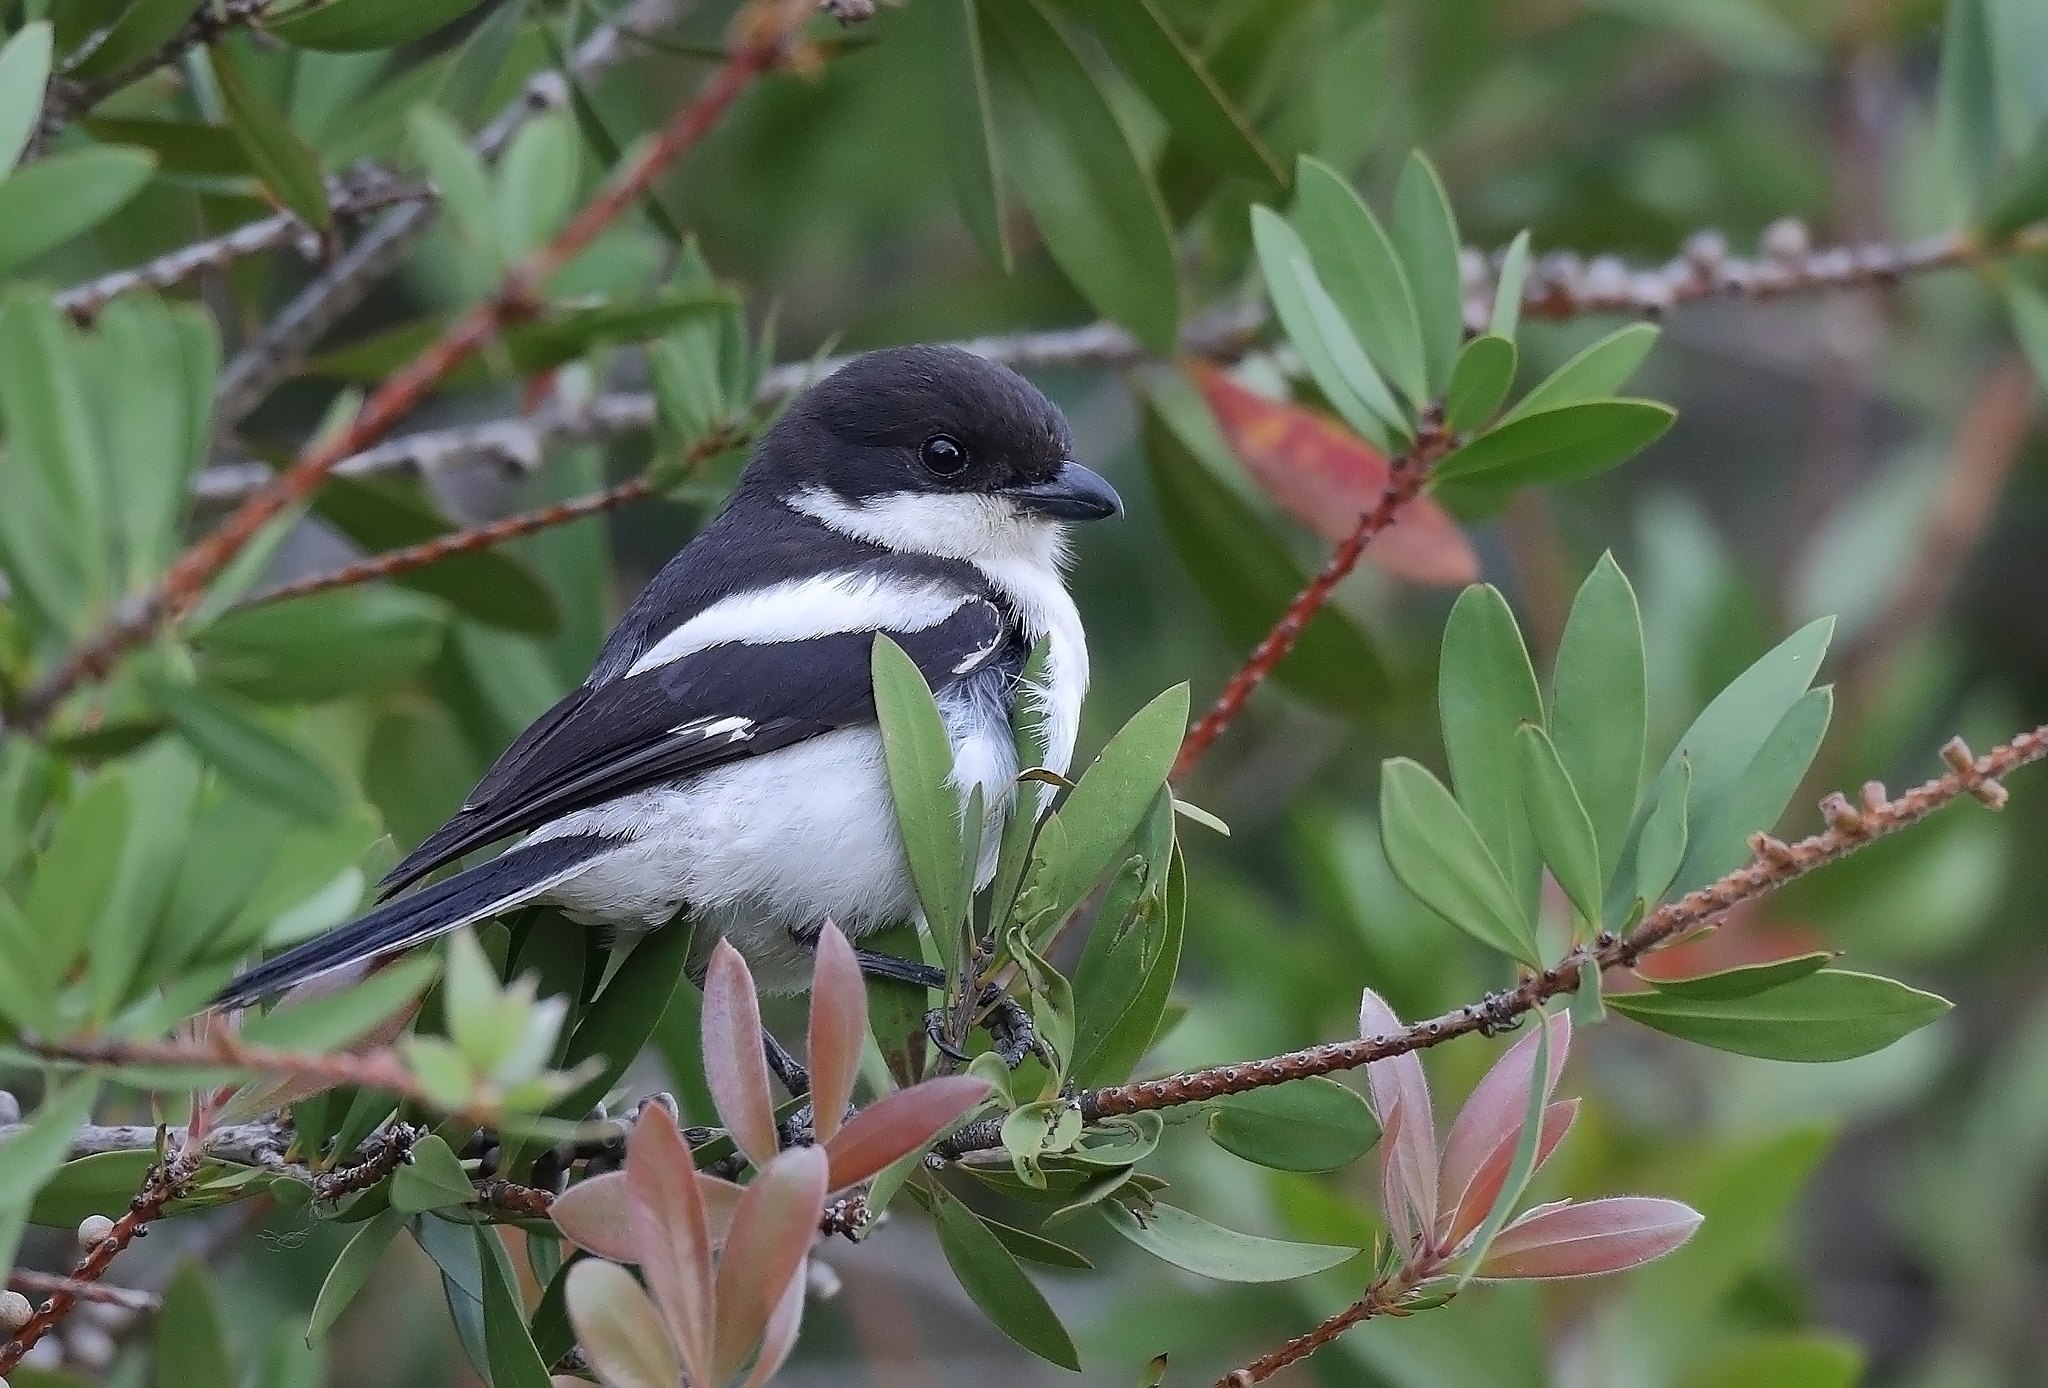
(1073, 494)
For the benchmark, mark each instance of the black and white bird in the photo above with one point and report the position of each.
(723, 757)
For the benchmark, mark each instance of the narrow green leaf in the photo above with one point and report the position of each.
(191, 1350)
(1563, 833)
(1599, 704)
(951, 36)
(1661, 847)
(990, 1276)
(1486, 689)
(2021, 198)
(1174, 78)
(1966, 102)
(1565, 444)
(359, 26)
(1746, 981)
(536, 183)
(1355, 260)
(1425, 231)
(351, 1271)
(1440, 857)
(1507, 289)
(1188, 1241)
(153, 383)
(1076, 168)
(458, 175)
(1035, 1248)
(144, 27)
(287, 164)
(1720, 833)
(1284, 263)
(54, 471)
(2029, 309)
(72, 880)
(920, 764)
(1125, 978)
(433, 1179)
(1832, 1014)
(620, 1019)
(1814, 1359)
(1480, 379)
(332, 1021)
(24, 72)
(233, 738)
(326, 646)
(1315, 1124)
(1595, 373)
(1349, 355)
(515, 1362)
(28, 1158)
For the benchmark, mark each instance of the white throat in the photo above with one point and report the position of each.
(1019, 555)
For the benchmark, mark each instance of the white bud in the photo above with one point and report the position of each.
(14, 1311)
(94, 1230)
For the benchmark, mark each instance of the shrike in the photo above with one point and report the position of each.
(723, 758)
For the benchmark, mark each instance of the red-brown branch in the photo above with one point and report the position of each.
(1407, 475)
(515, 298)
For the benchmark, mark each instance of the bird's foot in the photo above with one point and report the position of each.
(1008, 1025)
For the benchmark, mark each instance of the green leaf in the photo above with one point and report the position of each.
(1426, 236)
(1507, 289)
(458, 175)
(333, 1020)
(1248, 578)
(1599, 704)
(1077, 171)
(1522, 1164)
(28, 1158)
(287, 164)
(1480, 379)
(1565, 444)
(2021, 198)
(1486, 689)
(1809, 1360)
(2029, 309)
(920, 764)
(1338, 366)
(325, 646)
(233, 738)
(103, 1183)
(1355, 261)
(952, 40)
(28, 995)
(1832, 1014)
(1563, 833)
(432, 1179)
(536, 183)
(1966, 103)
(1125, 978)
(1085, 836)
(24, 72)
(1171, 74)
(143, 28)
(191, 1350)
(72, 881)
(621, 1018)
(1439, 856)
(1316, 1124)
(1595, 373)
(1720, 833)
(351, 1271)
(1209, 1250)
(1035, 1248)
(358, 26)
(54, 502)
(515, 1363)
(990, 1276)
(1661, 846)
(1747, 981)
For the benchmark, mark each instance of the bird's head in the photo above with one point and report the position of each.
(932, 450)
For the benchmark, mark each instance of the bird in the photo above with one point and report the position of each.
(723, 760)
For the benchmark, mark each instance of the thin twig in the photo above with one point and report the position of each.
(32, 1283)
(66, 99)
(383, 1154)
(376, 1069)
(1772, 865)
(248, 1143)
(135, 621)
(1382, 1298)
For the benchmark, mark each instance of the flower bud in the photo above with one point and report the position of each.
(14, 1311)
(94, 1230)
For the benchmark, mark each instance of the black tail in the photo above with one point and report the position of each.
(513, 877)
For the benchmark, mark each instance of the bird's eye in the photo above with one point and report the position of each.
(943, 454)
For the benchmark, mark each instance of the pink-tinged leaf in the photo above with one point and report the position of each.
(771, 1234)
(1399, 1080)
(1475, 1202)
(618, 1328)
(1579, 1240)
(1395, 1204)
(735, 1066)
(672, 1232)
(839, 1029)
(594, 1214)
(780, 1336)
(1497, 1108)
(896, 1125)
(1326, 477)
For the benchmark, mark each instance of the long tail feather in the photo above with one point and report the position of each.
(508, 880)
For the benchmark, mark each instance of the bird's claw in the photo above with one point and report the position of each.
(1008, 1025)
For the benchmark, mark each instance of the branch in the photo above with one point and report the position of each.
(67, 99)
(252, 1144)
(135, 621)
(1382, 1298)
(1773, 865)
(30, 1282)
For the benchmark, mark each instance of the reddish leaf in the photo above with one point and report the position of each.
(1325, 477)
(839, 1027)
(1407, 1156)
(771, 1234)
(595, 1215)
(1579, 1240)
(1475, 1202)
(1498, 1104)
(672, 1232)
(735, 1066)
(898, 1124)
(618, 1328)
(1397, 1203)
(780, 1336)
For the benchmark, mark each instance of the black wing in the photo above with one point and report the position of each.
(710, 707)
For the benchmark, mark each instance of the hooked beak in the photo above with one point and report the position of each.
(1073, 494)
